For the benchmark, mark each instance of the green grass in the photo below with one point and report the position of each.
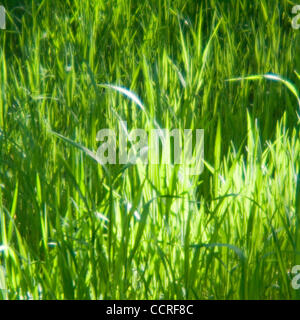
(73, 229)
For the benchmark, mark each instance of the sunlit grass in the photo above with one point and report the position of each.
(71, 228)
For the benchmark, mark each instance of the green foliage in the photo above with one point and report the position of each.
(71, 228)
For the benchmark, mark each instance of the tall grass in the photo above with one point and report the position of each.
(71, 228)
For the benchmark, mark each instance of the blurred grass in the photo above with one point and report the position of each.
(71, 229)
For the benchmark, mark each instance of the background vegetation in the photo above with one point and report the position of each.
(72, 229)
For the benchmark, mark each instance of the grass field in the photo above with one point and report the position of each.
(71, 228)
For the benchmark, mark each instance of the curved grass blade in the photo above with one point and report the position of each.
(274, 77)
(87, 151)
